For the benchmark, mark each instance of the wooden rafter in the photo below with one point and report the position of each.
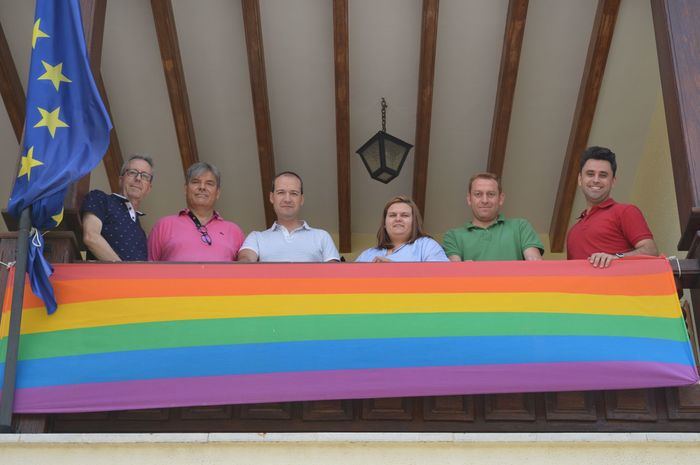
(93, 13)
(11, 87)
(426, 75)
(677, 36)
(507, 77)
(342, 120)
(261, 107)
(592, 79)
(166, 31)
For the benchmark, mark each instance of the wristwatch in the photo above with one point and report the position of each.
(620, 255)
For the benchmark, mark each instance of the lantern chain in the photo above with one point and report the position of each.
(384, 106)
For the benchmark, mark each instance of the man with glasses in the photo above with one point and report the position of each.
(197, 233)
(111, 227)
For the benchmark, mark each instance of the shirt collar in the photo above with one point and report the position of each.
(469, 225)
(127, 201)
(215, 216)
(607, 203)
(275, 226)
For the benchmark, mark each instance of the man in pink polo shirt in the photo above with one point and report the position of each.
(197, 233)
(606, 230)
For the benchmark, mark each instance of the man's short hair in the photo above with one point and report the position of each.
(136, 156)
(599, 153)
(287, 173)
(485, 175)
(202, 167)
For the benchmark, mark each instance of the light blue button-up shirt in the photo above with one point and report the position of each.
(424, 249)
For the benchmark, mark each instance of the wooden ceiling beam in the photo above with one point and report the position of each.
(11, 88)
(93, 13)
(677, 36)
(164, 20)
(342, 120)
(507, 77)
(426, 76)
(261, 106)
(592, 79)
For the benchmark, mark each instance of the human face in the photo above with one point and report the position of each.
(596, 180)
(135, 189)
(485, 200)
(201, 192)
(399, 222)
(287, 198)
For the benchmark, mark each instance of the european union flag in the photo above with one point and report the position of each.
(66, 131)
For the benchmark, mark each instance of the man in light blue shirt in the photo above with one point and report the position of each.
(289, 239)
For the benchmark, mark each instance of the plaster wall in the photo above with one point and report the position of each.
(361, 449)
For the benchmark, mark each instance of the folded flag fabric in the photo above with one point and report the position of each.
(66, 130)
(165, 335)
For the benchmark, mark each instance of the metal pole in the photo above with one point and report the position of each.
(8, 386)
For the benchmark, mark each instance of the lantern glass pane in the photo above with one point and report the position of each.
(385, 177)
(394, 154)
(371, 156)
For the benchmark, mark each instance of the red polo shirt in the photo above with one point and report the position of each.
(609, 227)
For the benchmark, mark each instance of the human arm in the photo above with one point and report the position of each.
(250, 250)
(94, 241)
(635, 230)
(431, 251)
(449, 244)
(328, 249)
(247, 255)
(643, 247)
(530, 243)
(532, 253)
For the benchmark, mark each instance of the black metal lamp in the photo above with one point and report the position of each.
(384, 154)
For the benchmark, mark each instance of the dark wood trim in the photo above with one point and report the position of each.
(342, 120)
(166, 30)
(261, 106)
(426, 75)
(677, 36)
(93, 13)
(507, 77)
(592, 79)
(11, 88)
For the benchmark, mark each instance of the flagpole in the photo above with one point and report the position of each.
(8, 386)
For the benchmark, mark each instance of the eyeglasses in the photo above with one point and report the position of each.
(206, 238)
(134, 174)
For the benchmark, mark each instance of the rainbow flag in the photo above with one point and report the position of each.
(130, 336)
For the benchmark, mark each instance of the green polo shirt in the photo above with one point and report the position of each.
(506, 239)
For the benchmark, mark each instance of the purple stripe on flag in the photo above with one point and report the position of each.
(351, 384)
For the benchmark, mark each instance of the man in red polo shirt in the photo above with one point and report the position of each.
(606, 230)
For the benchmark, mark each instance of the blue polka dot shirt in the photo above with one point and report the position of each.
(126, 236)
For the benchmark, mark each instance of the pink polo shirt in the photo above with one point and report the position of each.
(175, 238)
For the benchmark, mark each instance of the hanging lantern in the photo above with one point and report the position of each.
(384, 154)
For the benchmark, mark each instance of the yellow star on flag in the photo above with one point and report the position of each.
(58, 218)
(53, 74)
(28, 162)
(37, 33)
(50, 120)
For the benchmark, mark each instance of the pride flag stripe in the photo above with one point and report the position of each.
(100, 289)
(346, 384)
(125, 311)
(337, 327)
(499, 270)
(343, 355)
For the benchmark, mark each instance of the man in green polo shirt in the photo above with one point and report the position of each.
(490, 236)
